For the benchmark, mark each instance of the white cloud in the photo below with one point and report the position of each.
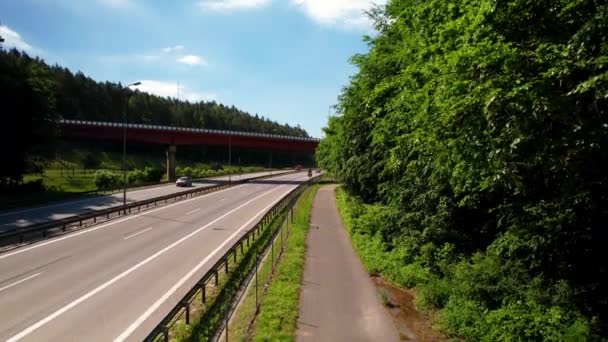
(173, 48)
(192, 60)
(343, 13)
(12, 39)
(169, 89)
(231, 5)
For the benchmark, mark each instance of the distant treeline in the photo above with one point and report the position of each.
(35, 95)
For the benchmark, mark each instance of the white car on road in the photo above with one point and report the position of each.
(184, 181)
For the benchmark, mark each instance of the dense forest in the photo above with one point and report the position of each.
(35, 95)
(472, 145)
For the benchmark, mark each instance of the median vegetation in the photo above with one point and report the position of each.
(469, 144)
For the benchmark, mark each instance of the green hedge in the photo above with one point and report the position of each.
(482, 297)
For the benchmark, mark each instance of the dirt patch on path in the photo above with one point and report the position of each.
(412, 325)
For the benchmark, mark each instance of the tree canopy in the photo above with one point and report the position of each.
(481, 126)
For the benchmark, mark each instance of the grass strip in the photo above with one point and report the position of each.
(278, 314)
(208, 317)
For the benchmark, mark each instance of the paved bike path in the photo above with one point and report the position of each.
(338, 301)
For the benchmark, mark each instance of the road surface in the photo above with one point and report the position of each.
(116, 281)
(338, 301)
(25, 217)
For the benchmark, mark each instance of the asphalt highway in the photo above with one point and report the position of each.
(25, 217)
(116, 281)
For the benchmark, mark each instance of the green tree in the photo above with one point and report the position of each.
(484, 124)
(28, 128)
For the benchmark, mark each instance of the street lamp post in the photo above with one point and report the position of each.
(124, 148)
(230, 158)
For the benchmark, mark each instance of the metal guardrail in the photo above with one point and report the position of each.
(62, 225)
(183, 307)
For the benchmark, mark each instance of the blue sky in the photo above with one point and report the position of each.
(283, 59)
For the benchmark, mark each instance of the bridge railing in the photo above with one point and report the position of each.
(186, 129)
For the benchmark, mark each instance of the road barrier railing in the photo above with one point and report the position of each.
(47, 229)
(198, 295)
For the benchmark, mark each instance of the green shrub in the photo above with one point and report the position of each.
(434, 293)
(145, 176)
(106, 180)
(464, 318)
(135, 176)
(216, 166)
(35, 186)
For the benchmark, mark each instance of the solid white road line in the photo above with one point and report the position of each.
(103, 286)
(19, 282)
(181, 282)
(81, 232)
(71, 235)
(135, 234)
(160, 187)
(192, 211)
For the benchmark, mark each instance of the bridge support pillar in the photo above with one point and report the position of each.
(171, 149)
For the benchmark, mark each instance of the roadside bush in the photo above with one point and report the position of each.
(147, 175)
(33, 186)
(154, 174)
(106, 180)
(135, 176)
(216, 166)
(483, 297)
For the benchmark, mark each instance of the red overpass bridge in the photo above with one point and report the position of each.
(172, 137)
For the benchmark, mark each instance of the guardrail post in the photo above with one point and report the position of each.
(187, 305)
(256, 276)
(235, 251)
(94, 219)
(166, 334)
(204, 293)
(226, 263)
(62, 228)
(216, 278)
